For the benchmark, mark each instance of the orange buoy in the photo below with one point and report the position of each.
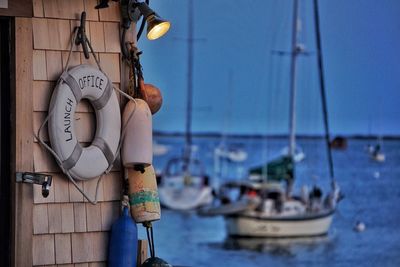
(143, 194)
(137, 147)
(152, 95)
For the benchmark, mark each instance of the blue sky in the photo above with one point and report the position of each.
(360, 41)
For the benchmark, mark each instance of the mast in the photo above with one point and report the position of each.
(292, 107)
(188, 135)
(322, 90)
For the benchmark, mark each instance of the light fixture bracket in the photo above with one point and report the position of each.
(130, 12)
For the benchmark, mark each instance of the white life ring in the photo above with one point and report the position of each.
(80, 82)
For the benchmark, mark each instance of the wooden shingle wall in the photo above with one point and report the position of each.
(67, 230)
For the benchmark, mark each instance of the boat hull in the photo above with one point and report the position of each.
(252, 226)
(186, 198)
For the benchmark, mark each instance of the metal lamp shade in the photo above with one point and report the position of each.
(156, 27)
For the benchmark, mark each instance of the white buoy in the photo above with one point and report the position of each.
(359, 226)
(137, 147)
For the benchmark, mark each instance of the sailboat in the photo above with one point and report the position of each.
(225, 151)
(264, 205)
(375, 151)
(184, 184)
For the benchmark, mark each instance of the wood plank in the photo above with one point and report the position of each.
(63, 9)
(80, 217)
(60, 30)
(142, 252)
(74, 60)
(89, 187)
(97, 264)
(22, 144)
(112, 40)
(67, 218)
(111, 13)
(41, 36)
(42, 91)
(74, 194)
(85, 126)
(110, 212)
(91, 12)
(93, 217)
(97, 36)
(54, 65)
(43, 160)
(81, 265)
(110, 65)
(55, 221)
(90, 61)
(39, 65)
(18, 8)
(42, 250)
(51, 34)
(60, 188)
(38, 118)
(40, 219)
(112, 186)
(89, 247)
(38, 10)
(63, 248)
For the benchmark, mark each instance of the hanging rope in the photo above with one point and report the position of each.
(150, 238)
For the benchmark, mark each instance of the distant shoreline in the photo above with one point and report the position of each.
(272, 136)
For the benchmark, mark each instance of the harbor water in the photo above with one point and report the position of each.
(371, 189)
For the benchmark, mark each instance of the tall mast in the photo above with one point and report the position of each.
(188, 135)
(322, 89)
(294, 53)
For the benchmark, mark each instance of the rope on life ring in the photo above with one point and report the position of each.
(85, 82)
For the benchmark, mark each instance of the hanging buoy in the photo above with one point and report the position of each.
(137, 144)
(155, 261)
(123, 242)
(152, 95)
(143, 195)
(84, 82)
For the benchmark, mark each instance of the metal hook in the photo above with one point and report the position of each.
(81, 38)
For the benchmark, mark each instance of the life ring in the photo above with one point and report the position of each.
(80, 82)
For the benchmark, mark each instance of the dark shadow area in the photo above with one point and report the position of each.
(5, 162)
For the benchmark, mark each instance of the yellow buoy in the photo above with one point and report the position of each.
(143, 194)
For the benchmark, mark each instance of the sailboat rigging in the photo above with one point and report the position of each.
(184, 184)
(264, 207)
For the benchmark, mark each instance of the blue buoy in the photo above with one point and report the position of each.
(123, 242)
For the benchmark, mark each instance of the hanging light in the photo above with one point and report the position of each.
(156, 26)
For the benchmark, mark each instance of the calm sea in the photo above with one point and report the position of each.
(372, 195)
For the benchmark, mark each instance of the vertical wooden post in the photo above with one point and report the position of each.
(142, 252)
(22, 142)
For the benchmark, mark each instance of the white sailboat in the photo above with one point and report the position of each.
(184, 184)
(225, 151)
(375, 151)
(264, 207)
(160, 149)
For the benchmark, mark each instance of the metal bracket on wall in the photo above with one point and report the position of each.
(35, 178)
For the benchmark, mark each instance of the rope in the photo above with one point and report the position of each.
(150, 238)
(48, 148)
